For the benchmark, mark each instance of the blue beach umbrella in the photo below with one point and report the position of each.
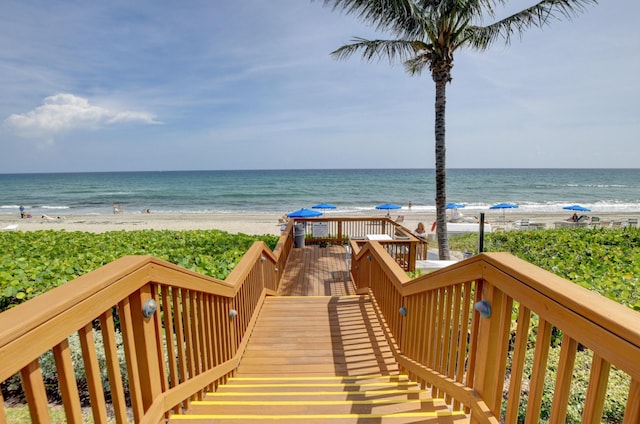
(323, 206)
(577, 208)
(388, 206)
(454, 206)
(504, 206)
(454, 213)
(304, 213)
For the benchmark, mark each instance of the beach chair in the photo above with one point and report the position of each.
(632, 222)
(400, 219)
(595, 222)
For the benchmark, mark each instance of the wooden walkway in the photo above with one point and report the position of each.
(317, 354)
(317, 271)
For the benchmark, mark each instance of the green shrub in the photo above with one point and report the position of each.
(34, 262)
(606, 261)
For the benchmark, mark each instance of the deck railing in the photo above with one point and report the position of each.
(467, 330)
(182, 334)
(402, 245)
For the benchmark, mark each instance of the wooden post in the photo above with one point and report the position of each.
(146, 348)
(481, 234)
(493, 338)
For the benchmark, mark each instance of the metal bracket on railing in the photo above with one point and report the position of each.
(276, 269)
(149, 308)
(484, 308)
(263, 259)
(403, 311)
(369, 257)
(233, 313)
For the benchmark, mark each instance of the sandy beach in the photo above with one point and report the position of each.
(253, 223)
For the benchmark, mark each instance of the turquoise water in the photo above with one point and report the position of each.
(605, 190)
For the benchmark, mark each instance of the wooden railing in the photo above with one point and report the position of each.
(402, 245)
(182, 334)
(466, 330)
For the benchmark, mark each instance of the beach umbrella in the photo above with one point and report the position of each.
(454, 213)
(454, 206)
(577, 208)
(388, 206)
(304, 213)
(504, 206)
(323, 206)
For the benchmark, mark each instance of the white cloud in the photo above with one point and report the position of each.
(66, 112)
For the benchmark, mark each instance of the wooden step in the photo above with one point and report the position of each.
(318, 360)
(351, 399)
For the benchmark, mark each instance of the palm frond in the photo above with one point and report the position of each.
(538, 15)
(400, 17)
(417, 64)
(393, 50)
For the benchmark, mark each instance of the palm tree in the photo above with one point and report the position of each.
(428, 33)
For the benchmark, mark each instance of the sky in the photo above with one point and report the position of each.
(250, 84)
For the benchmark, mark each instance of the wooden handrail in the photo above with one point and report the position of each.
(440, 339)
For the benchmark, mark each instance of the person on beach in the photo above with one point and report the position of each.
(50, 218)
(420, 232)
(573, 218)
(24, 213)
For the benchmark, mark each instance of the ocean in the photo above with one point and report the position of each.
(351, 190)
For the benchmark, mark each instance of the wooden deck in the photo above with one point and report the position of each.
(316, 271)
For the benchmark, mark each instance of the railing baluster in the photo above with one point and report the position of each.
(562, 388)
(517, 363)
(160, 341)
(455, 334)
(133, 371)
(596, 393)
(170, 337)
(113, 367)
(632, 412)
(540, 357)
(67, 382)
(463, 341)
(35, 393)
(92, 372)
(202, 345)
(431, 327)
(3, 413)
(474, 335)
(188, 336)
(194, 300)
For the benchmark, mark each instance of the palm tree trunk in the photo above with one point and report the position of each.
(441, 170)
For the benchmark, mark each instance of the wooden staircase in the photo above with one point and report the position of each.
(319, 360)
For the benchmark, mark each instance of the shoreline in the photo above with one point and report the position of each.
(258, 223)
